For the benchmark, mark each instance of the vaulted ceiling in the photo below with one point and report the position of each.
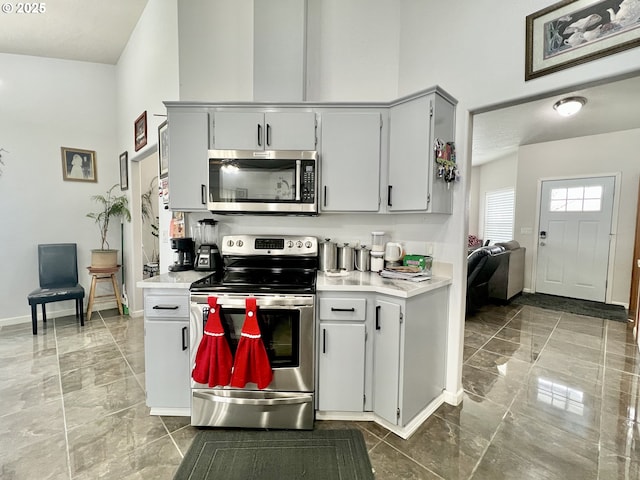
(98, 31)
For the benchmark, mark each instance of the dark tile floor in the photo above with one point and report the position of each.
(548, 395)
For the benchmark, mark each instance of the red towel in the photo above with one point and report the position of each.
(251, 362)
(213, 358)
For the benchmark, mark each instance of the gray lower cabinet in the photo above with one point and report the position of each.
(386, 360)
(341, 367)
(409, 345)
(166, 339)
(341, 354)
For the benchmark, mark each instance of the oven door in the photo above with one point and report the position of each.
(286, 325)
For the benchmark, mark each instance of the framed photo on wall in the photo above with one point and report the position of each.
(140, 131)
(124, 171)
(573, 32)
(78, 165)
(163, 149)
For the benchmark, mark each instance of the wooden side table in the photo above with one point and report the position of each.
(99, 275)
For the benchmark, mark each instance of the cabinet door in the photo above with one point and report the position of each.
(167, 372)
(341, 367)
(409, 155)
(413, 183)
(386, 360)
(260, 131)
(238, 130)
(351, 162)
(188, 160)
(290, 130)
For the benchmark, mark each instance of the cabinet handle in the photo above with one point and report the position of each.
(334, 309)
(259, 135)
(389, 187)
(324, 196)
(324, 340)
(166, 307)
(268, 135)
(203, 194)
(184, 339)
(378, 317)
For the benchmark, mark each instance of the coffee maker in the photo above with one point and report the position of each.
(183, 254)
(208, 257)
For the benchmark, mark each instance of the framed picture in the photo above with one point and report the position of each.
(124, 171)
(163, 149)
(573, 32)
(78, 165)
(140, 131)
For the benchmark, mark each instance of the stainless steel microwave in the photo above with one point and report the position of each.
(270, 181)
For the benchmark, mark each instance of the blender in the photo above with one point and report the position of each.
(206, 236)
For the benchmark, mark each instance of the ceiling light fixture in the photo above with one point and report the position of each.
(569, 106)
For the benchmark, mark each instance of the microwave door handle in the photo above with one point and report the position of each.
(298, 180)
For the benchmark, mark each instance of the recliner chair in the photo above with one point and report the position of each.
(481, 265)
(58, 274)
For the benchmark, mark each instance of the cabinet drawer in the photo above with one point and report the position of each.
(343, 308)
(174, 306)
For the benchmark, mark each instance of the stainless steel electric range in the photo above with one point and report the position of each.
(280, 272)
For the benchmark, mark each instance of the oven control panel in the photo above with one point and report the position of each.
(269, 245)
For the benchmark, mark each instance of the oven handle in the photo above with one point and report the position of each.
(288, 400)
(267, 301)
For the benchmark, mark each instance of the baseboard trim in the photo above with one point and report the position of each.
(453, 398)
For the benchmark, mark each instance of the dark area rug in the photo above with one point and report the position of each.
(276, 455)
(573, 305)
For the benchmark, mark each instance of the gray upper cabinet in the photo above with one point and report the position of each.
(350, 161)
(254, 130)
(413, 185)
(188, 158)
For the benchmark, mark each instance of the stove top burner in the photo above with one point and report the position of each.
(254, 264)
(258, 281)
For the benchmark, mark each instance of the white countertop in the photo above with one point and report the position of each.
(352, 282)
(173, 279)
(372, 282)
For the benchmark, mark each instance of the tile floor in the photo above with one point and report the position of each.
(548, 395)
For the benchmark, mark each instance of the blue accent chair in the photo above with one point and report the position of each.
(58, 272)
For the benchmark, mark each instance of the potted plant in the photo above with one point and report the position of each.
(112, 207)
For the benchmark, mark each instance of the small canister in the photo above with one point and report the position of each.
(362, 259)
(328, 255)
(377, 261)
(345, 257)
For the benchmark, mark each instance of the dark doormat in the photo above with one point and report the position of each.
(276, 455)
(573, 305)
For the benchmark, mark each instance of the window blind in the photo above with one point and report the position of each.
(498, 215)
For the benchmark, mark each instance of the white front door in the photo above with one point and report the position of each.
(573, 239)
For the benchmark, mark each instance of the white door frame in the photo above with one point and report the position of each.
(612, 233)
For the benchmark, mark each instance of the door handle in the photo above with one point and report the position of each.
(259, 135)
(389, 187)
(334, 309)
(378, 317)
(185, 345)
(166, 307)
(324, 340)
(268, 135)
(203, 194)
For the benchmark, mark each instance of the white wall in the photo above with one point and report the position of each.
(146, 75)
(591, 156)
(48, 104)
(216, 49)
